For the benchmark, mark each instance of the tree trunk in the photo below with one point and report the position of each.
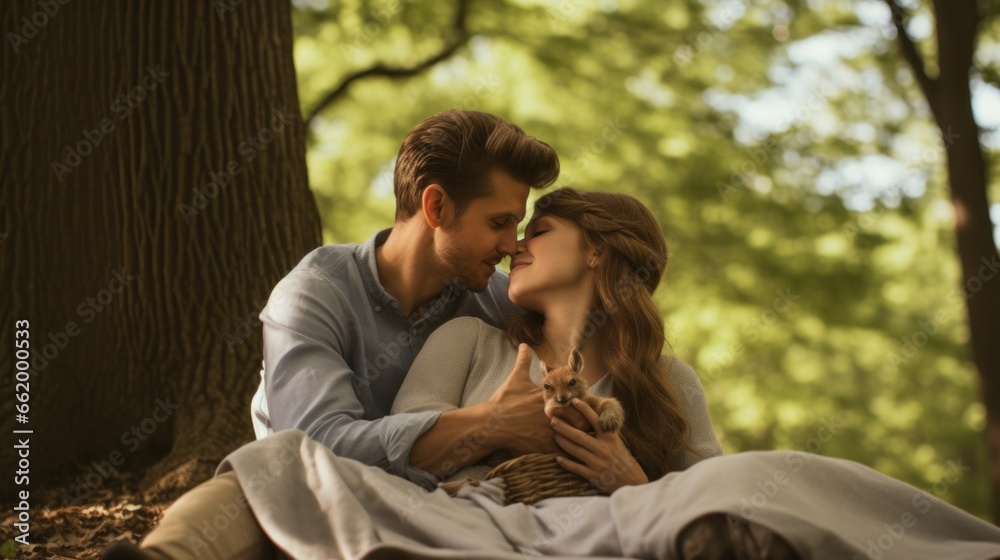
(154, 192)
(957, 24)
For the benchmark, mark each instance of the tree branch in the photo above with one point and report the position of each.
(928, 85)
(461, 37)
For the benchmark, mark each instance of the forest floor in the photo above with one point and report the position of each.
(60, 528)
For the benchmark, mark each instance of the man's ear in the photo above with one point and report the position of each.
(438, 207)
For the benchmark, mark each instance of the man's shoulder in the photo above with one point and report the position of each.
(323, 281)
(329, 272)
(336, 264)
(329, 258)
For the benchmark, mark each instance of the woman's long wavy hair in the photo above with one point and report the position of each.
(628, 326)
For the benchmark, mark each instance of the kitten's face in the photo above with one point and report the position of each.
(562, 384)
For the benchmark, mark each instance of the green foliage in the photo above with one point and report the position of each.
(798, 278)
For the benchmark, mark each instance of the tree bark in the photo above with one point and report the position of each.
(957, 26)
(949, 97)
(154, 192)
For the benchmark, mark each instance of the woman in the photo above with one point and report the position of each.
(585, 274)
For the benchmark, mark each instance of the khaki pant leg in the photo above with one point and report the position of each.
(211, 521)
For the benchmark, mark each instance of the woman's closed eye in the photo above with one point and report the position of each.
(537, 233)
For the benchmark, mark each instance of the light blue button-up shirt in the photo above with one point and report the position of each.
(336, 350)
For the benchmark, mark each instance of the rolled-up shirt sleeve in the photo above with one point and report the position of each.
(310, 332)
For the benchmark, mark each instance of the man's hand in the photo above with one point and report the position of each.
(519, 404)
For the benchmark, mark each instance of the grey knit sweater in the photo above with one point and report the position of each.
(465, 361)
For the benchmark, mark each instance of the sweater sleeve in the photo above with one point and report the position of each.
(701, 435)
(437, 378)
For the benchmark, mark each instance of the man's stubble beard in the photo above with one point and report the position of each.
(451, 258)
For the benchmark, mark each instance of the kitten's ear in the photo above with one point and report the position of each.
(545, 368)
(576, 361)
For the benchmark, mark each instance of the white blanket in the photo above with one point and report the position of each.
(313, 504)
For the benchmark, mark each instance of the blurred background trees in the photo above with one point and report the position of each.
(789, 153)
(810, 161)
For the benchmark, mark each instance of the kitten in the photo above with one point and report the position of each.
(562, 384)
(559, 387)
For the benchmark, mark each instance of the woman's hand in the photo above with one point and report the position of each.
(604, 460)
(571, 416)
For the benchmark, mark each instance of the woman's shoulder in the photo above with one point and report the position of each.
(468, 330)
(490, 355)
(461, 327)
(463, 323)
(692, 395)
(471, 325)
(676, 367)
(681, 373)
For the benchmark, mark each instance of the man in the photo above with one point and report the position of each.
(342, 329)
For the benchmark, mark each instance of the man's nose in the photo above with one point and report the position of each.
(508, 245)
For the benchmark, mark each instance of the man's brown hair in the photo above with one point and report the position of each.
(458, 150)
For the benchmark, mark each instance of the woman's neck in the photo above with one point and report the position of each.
(567, 327)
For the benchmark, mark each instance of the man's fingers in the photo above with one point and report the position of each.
(522, 368)
(523, 362)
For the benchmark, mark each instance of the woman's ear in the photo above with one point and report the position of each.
(437, 206)
(593, 257)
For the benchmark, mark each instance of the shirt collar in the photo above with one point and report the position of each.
(364, 255)
(368, 267)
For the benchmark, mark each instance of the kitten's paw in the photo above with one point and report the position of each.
(612, 416)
